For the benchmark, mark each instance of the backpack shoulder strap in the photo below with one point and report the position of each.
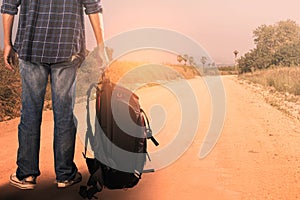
(88, 120)
(148, 129)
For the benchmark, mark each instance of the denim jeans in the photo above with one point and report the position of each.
(34, 78)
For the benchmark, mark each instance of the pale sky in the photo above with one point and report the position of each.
(219, 26)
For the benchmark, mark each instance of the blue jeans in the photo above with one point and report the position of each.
(34, 78)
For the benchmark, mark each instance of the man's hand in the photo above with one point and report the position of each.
(9, 56)
(103, 56)
(97, 24)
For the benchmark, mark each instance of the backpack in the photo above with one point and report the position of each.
(122, 140)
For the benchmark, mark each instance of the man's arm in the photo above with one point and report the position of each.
(9, 8)
(97, 25)
(96, 22)
(8, 52)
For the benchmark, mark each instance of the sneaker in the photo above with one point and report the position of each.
(27, 183)
(67, 183)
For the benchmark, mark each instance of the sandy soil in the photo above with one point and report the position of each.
(256, 157)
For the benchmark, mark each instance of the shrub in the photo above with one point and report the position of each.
(283, 79)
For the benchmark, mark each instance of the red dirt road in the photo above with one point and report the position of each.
(256, 157)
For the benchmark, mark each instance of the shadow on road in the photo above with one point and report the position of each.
(47, 190)
(44, 191)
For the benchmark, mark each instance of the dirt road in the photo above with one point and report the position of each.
(256, 157)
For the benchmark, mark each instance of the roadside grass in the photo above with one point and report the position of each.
(280, 87)
(10, 92)
(283, 79)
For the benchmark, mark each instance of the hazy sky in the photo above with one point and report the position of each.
(220, 26)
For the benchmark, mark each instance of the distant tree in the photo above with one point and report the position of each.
(179, 58)
(191, 61)
(288, 55)
(287, 32)
(185, 58)
(203, 60)
(277, 44)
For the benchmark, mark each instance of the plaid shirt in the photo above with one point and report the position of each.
(50, 31)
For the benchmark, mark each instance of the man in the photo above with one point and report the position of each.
(50, 41)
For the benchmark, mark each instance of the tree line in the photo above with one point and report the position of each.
(276, 45)
(192, 62)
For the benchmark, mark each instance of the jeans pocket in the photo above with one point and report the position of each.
(77, 60)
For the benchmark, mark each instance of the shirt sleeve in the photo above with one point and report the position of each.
(10, 6)
(92, 6)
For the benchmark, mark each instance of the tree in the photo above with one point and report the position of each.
(287, 32)
(203, 60)
(288, 55)
(185, 58)
(179, 58)
(277, 44)
(191, 61)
